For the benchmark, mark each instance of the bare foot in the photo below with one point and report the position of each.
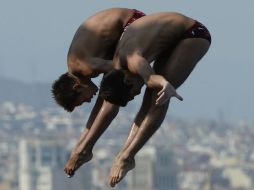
(119, 169)
(76, 161)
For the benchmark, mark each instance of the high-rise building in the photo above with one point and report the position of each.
(155, 170)
(141, 177)
(165, 170)
(41, 167)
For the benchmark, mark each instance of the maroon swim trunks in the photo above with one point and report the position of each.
(197, 30)
(136, 15)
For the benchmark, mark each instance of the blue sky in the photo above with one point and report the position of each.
(35, 36)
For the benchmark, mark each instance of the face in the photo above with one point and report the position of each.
(87, 90)
(136, 82)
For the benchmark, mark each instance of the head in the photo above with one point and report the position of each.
(119, 87)
(70, 91)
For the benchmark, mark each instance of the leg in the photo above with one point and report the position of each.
(175, 68)
(182, 60)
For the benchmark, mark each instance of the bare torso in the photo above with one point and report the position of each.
(151, 35)
(97, 38)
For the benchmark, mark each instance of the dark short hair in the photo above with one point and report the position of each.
(63, 92)
(114, 89)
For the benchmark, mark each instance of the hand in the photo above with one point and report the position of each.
(166, 93)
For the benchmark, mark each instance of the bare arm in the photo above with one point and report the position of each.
(103, 119)
(93, 115)
(139, 117)
(138, 65)
(94, 112)
(98, 122)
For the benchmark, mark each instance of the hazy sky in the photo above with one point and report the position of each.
(35, 37)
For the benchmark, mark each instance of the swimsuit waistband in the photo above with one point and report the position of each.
(197, 30)
(136, 15)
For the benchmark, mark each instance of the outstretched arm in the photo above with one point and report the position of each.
(97, 124)
(138, 65)
(102, 115)
(93, 115)
(103, 119)
(139, 118)
(94, 112)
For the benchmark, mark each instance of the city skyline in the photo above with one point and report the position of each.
(184, 155)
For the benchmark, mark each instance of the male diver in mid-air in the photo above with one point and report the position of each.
(90, 54)
(175, 43)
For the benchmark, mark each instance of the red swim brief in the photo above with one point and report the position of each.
(197, 30)
(136, 15)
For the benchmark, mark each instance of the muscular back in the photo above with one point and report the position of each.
(151, 35)
(99, 34)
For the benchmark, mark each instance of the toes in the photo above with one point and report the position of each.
(114, 177)
(111, 182)
(66, 170)
(119, 179)
(114, 182)
(69, 172)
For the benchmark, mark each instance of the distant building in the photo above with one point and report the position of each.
(155, 170)
(165, 175)
(41, 167)
(141, 177)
